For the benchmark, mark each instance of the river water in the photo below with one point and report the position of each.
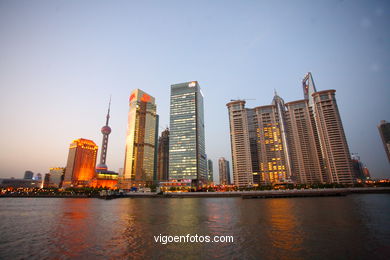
(351, 227)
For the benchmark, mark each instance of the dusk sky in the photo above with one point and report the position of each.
(61, 60)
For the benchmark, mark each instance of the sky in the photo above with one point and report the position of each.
(61, 60)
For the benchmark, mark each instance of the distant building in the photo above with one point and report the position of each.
(384, 131)
(38, 177)
(80, 167)
(139, 167)
(210, 172)
(54, 178)
(20, 183)
(28, 175)
(360, 171)
(229, 180)
(187, 155)
(224, 171)
(163, 156)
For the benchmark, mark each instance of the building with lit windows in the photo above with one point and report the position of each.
(384, 131)
(301, 141)
(163, 156)
(80, 167)
(187, 155)
(139, 166)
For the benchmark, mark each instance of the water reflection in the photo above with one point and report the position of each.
(284, 230)
(352, 227)
(73, 227)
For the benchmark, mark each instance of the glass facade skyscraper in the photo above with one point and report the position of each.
(187, 155)
(139, 165)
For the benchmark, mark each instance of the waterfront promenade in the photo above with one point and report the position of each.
(243, 194)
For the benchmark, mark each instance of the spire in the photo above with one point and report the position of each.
(308, 87)
(108, 112)
(275, 93)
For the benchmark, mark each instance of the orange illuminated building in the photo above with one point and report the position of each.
(80, 168)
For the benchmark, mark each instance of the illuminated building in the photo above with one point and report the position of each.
(384, 131)
(104, 177)
(223, 165)
(139, 167)
(187, 156)
(163, 156)
(28, 175)
(240, 144)
(80, 167)
(301, 141)
(106, 130)
(273, 157)
(210, 172)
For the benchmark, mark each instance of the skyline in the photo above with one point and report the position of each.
(61, 63)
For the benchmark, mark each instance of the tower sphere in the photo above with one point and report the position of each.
(106, 130)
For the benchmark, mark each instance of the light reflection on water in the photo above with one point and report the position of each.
(354, 227)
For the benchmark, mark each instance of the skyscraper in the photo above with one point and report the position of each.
(240, 144)
(223, 166)
(163, 156)
(272, 148)
(302, 141)
(141, 140)
(305, 162)
(210, 171)
(187, 155)
(106, 130)
(384, 131)
(334, 147)
(80, 168)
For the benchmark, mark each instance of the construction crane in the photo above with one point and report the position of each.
(244, 99)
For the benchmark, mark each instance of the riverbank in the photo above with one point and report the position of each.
(243, 194)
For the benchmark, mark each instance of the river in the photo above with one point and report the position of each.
(350, 227)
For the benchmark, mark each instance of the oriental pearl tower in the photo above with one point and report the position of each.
(106, 130)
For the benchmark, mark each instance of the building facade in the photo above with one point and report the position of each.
(163, 156)
(28, 175)
(224, 172)
(384, 131)
(240, 143)
(187, 154)
(334, 147)
(139, 167)
(301, 141)
(56, 177)
(210, 171)
(305, 163)
(80, 167)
